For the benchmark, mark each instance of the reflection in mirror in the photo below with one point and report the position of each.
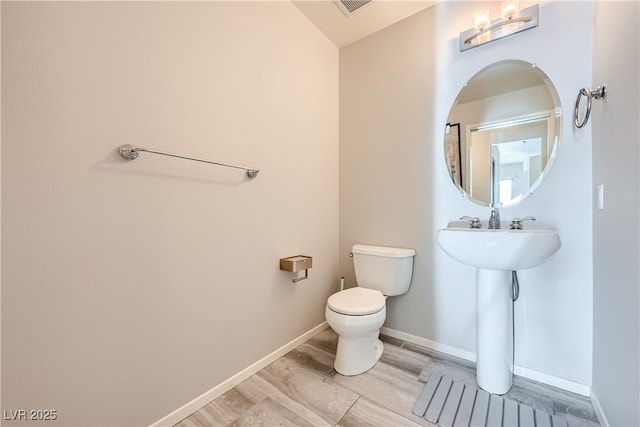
(502, 133)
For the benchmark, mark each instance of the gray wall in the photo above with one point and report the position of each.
(616, 137)
(396, 88)
(131, 288)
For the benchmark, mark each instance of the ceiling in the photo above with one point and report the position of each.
(372, 17)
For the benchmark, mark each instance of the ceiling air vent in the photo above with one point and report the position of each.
(349, 6)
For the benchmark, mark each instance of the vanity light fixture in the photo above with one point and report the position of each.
(512, 21)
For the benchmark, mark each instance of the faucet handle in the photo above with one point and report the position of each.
(474, 221)
(516, 222)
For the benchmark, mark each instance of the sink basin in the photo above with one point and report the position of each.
(499, 249)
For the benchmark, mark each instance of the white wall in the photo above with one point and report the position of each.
(130, 288)
(616, 137)
(396, 88)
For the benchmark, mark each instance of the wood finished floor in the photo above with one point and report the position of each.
(302, 389)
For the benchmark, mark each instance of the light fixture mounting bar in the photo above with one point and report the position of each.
(500, 28)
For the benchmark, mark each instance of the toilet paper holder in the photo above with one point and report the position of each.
(296, 263)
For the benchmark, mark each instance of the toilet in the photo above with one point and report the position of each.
(357, 314)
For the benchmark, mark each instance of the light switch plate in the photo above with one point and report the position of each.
(600, 196)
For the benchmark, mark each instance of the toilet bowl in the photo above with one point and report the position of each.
(357, 314)
(357, 326)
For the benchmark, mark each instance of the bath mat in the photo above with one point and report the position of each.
(452, 403)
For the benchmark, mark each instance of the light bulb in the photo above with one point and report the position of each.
(510, 9)
(482, 19)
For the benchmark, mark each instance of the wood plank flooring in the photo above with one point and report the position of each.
(302, 389)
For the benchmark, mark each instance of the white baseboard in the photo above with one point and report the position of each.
(432, 345)
(551, 380)
(604, 422)
(200, 401)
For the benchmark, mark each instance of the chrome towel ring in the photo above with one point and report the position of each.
(589, 94)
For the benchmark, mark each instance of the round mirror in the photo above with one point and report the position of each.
(502, 133)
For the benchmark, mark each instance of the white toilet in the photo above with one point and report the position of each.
(357, 314)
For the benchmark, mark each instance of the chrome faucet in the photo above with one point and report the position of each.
(494, 219)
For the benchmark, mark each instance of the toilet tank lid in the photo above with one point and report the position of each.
(384, 251)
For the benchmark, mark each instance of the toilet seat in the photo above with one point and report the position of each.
(356, 301)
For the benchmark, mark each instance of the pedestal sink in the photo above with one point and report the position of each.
(495, 254)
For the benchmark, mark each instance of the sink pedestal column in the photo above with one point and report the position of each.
(494, 330)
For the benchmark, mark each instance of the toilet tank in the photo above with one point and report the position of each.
(386, 269)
